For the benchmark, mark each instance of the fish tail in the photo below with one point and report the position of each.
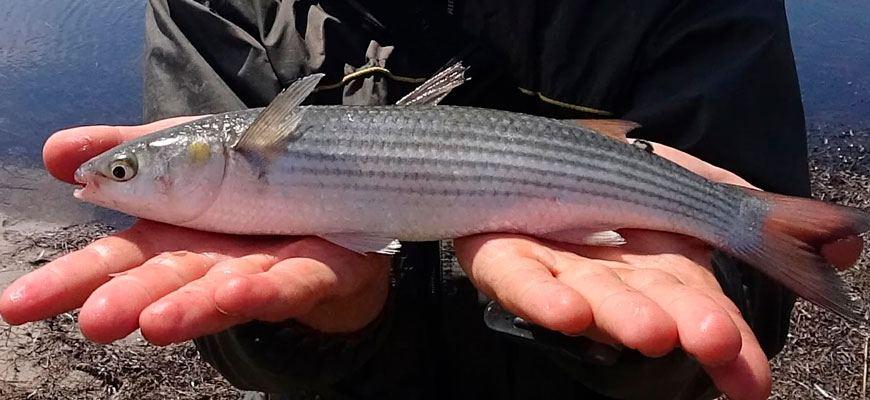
(787, 247)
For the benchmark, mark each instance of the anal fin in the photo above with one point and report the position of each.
(586, 237)
(365, 243)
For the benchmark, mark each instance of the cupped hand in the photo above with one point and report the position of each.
(654, 294)
(177, 284)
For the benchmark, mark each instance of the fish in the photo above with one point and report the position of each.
(368, 178)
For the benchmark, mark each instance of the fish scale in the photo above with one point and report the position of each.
(504, 139)
(383, 157)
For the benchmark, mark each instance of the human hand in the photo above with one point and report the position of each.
(654, 294)
(177, 284)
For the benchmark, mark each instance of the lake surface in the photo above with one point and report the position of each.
(831, 41)
(64, 63)
(74, 62)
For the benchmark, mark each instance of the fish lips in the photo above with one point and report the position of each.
(87, 184)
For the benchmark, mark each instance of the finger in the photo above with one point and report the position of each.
(505, 268)
(219, 301)
(843, 253)
(619, 310)
(698, 166)
(190, 311)
(65, 283)
(112, 311)
(305, 286)
(290, 288)
(748, 376)
(66, 150)
(705, 329)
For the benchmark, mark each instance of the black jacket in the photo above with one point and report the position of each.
(715, 78)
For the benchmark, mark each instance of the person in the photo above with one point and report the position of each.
(661, 317)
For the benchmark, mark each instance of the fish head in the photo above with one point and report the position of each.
(172, 176)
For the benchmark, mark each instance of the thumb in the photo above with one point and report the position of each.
(66, 150)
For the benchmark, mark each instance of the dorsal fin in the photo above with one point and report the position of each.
(435, 88)
(276, 124)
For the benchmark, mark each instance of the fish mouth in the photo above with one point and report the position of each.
(79, 192)
(81, 177)
(85, 182)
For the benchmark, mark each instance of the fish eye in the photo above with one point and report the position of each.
(123, 168)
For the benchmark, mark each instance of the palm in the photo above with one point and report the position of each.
(177, 284)
(655, 294)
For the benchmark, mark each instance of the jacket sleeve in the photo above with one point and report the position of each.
(211, 57)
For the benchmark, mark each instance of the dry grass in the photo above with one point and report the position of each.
(67, 366)
(52, 360)
(825, 357)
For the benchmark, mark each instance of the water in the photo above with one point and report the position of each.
(831, 41)
(64, 63)
(75, 62)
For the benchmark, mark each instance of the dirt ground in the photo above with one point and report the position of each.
(52, 360)
(825, 358)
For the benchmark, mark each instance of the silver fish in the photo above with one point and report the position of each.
(367, 178)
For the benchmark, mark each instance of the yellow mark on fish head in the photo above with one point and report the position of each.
(199, 152)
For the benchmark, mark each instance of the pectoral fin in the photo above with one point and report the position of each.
(435, 88)
(364, 243)
(276, 125)
(586, 237)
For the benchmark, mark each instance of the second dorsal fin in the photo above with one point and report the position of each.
(436, 88)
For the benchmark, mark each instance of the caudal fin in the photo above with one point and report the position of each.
(789, 250)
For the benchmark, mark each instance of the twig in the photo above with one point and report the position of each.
(823, 392)
(15, 187)
(864, 380)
